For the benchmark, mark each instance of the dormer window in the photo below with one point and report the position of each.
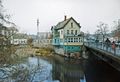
(71, 25)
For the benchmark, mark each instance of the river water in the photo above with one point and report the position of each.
(59, 69)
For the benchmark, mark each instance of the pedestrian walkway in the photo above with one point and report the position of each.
(104, 47)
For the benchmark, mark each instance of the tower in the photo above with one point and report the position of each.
(37, 37)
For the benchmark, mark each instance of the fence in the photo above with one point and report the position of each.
(105, 47)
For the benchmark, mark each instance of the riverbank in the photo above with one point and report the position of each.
(30, 51)
(44, 52)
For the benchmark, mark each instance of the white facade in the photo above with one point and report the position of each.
(61, 32)
(42, 43)
(19, 41)
(71, 26)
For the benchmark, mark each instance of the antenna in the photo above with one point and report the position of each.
(38, 30)
(37, 27)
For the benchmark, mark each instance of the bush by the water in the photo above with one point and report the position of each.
(44, 51)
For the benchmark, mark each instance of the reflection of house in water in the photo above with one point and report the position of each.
(66, 72)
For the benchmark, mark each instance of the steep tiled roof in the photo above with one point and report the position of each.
(63, 23)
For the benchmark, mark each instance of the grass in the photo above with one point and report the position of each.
(44, 51)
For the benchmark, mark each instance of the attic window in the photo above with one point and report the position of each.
(75, 32)
(67, 31)
(71, 31)
(71, 25)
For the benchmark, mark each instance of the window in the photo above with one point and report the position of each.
(71, 39)
(68, 39)
(71, 31)
(65, 39)
(67, 31)
(76, 39)
(75, 32)
(55, 40)
(71, 25)
(79, 40)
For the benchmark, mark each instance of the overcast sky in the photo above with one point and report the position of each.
(88, 13)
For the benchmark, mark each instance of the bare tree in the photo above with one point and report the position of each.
(5, 46)
(1, 11)
(4, 18)
(116, 30)
(103, 30)
(87, 35)
(97, 34)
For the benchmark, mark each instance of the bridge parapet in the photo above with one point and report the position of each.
(105, 53)
(105, 47)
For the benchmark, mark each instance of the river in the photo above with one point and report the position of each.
(59, 69)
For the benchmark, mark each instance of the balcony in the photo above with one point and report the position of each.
(72, 35)
(57, 35)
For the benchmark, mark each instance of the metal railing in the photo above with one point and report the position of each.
(107, 47)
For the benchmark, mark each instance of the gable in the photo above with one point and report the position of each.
(62, 24)
(72, 21)
(72, 24)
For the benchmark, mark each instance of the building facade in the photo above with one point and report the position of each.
(67, 36)
(19, 39)
(3, 35)
(43, 39)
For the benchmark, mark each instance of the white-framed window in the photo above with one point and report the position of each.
(76, 39)
(67, 31)
(65, 39)
(71, 25)
(55, 40)
(71, 39)
(71, 31)
(79, 40)
(75, 32)
(68, 39)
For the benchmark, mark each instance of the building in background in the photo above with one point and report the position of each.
(19, 39)
(67, 37)
(43, 39)
(44, 35)
(3, 35)
(6, 34)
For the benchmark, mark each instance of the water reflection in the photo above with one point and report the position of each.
(58, 69)
(67, 71)
(42, 69)
(97, 70)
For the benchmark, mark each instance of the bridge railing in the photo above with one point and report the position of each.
(105, 47)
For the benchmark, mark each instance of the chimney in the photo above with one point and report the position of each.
(65, 17)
